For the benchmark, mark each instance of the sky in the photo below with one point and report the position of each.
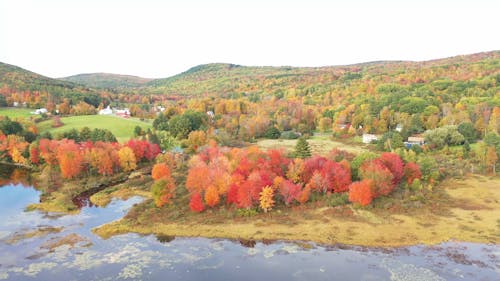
(155, 39)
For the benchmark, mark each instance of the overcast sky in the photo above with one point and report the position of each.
(153, 38)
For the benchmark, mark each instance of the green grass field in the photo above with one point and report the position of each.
(319, 145)
(122, 128)
(13, 112)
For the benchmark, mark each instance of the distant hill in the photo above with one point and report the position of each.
(21, 79)
(223, 78)
(107, 80)
(231, 79)
(16, 79)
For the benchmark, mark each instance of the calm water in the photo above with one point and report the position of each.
(134, 257)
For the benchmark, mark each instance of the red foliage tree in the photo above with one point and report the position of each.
(361, 192)
(412, 172)
(232, 194)
(152, 150)
(138, 147)
(312, 165)
(244, 195)
(195, 203)
(394, 163)
(236, 181)
(256, 181)
(289, 191)
(143, 150)
(34, 154)
(48, 151)
(380, 175)
(318, 183)
(338, 176)
(278, 162)
(244, 167)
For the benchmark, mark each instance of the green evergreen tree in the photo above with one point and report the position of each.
(302, 149)
(272, 133)
(138, 131)
(85, 134)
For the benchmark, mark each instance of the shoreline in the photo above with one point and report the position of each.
(466, 210)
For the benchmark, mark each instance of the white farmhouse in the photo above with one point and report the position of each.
(106, 111)
(368, 138)
(40, 111)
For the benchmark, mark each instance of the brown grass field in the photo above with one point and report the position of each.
(465, 210)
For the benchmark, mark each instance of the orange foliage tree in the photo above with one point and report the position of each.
(361, 192)
(159, 171)
(48, 151)
(102, 157)
(212, 196)
(70, 159)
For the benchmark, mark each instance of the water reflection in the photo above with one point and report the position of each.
(165, 238)
(13, 175)
(64, 248)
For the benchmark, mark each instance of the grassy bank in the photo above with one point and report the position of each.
(465, 210)
(319, 145)
(122, 128)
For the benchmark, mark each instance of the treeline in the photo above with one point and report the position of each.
(74, 153)
(75, 159)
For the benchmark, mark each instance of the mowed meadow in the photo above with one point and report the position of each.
(320, 144)
(122, 128)
(13, 112)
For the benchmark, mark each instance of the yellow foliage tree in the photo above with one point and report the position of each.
(127, 158)
(195, 140)
(17, 157)
(266, 199)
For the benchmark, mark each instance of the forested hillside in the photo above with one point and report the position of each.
(35, 90)
(107, 80)
(478, 69)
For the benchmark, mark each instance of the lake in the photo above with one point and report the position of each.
(39, 246)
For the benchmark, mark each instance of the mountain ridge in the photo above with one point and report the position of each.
(224, 77)
(103, 80)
